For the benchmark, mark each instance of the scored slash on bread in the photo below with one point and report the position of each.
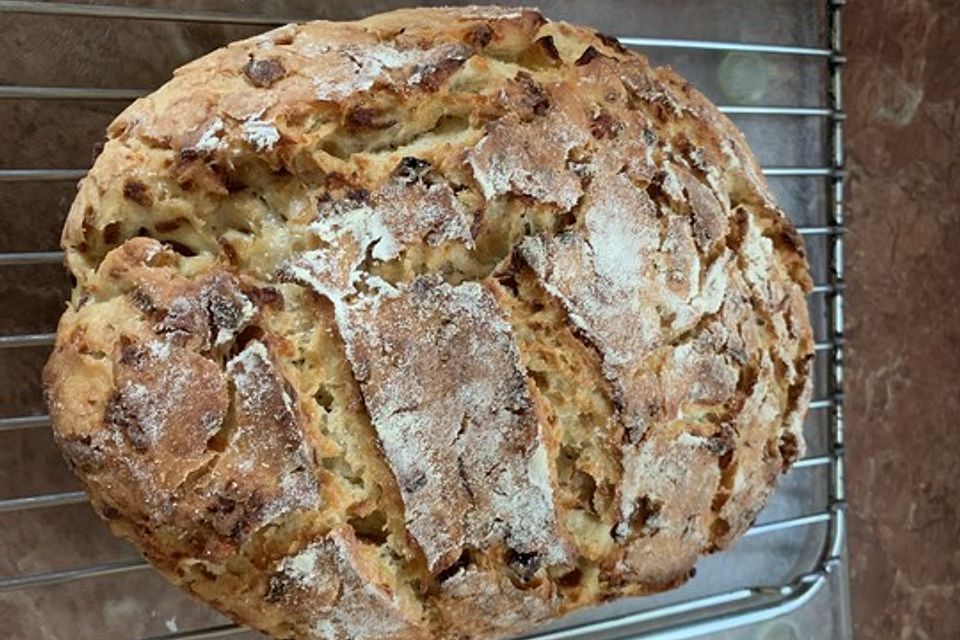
(438, 324)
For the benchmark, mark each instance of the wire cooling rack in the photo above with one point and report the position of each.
(786, 576)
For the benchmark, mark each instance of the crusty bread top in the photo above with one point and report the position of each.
(435, 324)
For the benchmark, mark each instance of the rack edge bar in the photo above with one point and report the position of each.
(25, 92)
(724, 45)
(30, 257)
(42, 502)
(208, 633)
(16, 423)
(69, 575)
(27, 340)
(139, 13)
(41, 175)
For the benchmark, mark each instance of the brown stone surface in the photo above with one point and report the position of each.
(903, 317)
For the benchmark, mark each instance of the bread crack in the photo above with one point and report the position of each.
(566, 375)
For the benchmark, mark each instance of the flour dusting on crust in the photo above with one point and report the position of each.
(336, 592)
(451, 406)
(262, 135)
(529, 159)
(402, 213)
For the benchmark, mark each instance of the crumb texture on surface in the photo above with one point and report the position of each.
(438, 324)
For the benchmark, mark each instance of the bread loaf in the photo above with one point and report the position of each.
(439, 324)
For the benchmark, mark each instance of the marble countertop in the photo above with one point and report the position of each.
(903, 317)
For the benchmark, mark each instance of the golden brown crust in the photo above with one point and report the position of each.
(437, 324)
(449, 400)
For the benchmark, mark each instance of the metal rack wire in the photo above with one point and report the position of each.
(708, 614)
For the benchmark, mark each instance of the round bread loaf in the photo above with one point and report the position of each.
(434, 325)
